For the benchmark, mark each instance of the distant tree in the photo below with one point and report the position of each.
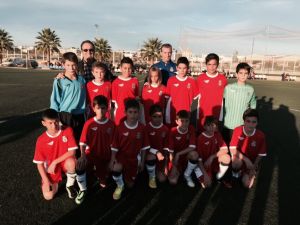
(6, 42)
(102, 49)
(48, 42)
(151, 49)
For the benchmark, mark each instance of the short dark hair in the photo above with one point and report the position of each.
(244, 66)
(100, 100)
(154, 109)
(182, 114)
(212, 56)
(50, 114)
(132, 103)
(87, 42)
(70, 56)
(183, 60)
(127, 60)
(251, 113)
(154, 69)
(210, 120)
(166, 45)
(99, 65)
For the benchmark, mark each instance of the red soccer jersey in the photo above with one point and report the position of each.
(97, 137)
(123, 89)
(211, 90)
(152, 95)
(94, 89)
(251, 146)
(179, 141)
(209, 145)
(158, 137)
(182, 91)
(49, 148)
(128, 141)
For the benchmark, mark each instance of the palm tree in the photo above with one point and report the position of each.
(6, 42)
(151, 49)
(48, 42)
(102, 49)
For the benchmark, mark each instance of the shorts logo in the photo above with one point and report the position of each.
(64, 139)
(253, 144)
(138, 135)
(121, 85)
(188, 86)
(178, 138)
(152, 133)
(126, 134)
(206, 81)
(176, 85)
(51, 143)
(95, 90)
(94, 128)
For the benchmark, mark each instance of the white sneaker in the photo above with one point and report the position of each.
(189, 181)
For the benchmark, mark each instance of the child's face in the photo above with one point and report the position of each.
(52, 125)
(182, 70)
(132, 115)
(166, 54)
(210, 129)
(98, 73)
(183, 123)
(126, 70)
(250, 123)
(154, 77)
(70, 67)
(212, 66)
(157, 118)
(100, 111)
(242, 75)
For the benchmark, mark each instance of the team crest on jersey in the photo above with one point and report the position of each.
(216, 141)
(94, 128)
(178, 138)
(188, 86)
(138, 135)
(149, 91)
(126, 134)
(121, 85)
(133, 86)
(163, 134)
(109, 130)
(152, 133)
(160, 93)
(171, 69)
(64, 139)
(188, 136)
(51, 143)
(220, 83)
(253, 144)
(95, 90)
(176, 85)
(206, 143)
(206, 81)
(241, 138)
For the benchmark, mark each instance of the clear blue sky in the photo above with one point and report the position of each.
(204, 26)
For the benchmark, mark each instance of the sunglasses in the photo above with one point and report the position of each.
(251, 121)
(157, 116)
(88, 50)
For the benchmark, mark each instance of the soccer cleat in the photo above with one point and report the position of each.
(152, 183)
(72, 193)
(118, 192)
(80, 197)
(189, 181)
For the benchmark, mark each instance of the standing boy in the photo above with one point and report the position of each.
(54, 154)
(96, 139)
(69, 95)
(129, 145)
(123, 88)
(238, 97)
(247, 148)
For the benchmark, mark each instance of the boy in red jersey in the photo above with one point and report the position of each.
(55, 153)
(129, 146)
(211, 87)
(182, 90)
(157, 156)
(154, 92)
(98, 86)
(124, 87)
(182, 146)
(96, 139)
(213, 152)
(247, 148)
